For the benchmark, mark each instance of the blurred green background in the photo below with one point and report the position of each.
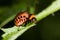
(46, 29)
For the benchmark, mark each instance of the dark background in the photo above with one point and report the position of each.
(46, 29)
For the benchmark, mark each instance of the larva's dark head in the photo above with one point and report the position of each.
(32, 18)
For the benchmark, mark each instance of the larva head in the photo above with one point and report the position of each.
(32, 18)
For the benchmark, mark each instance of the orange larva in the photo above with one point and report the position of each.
(24, 17)
(21, 18)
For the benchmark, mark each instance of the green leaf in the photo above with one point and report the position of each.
(14, 32)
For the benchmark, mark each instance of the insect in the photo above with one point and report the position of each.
(24, 17)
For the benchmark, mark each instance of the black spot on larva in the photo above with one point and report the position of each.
(18, 22)
(24, 16)
(18, 17)
(27, 18)
(24, 19)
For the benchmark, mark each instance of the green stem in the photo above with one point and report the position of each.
(55, 6)
(21, 32)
